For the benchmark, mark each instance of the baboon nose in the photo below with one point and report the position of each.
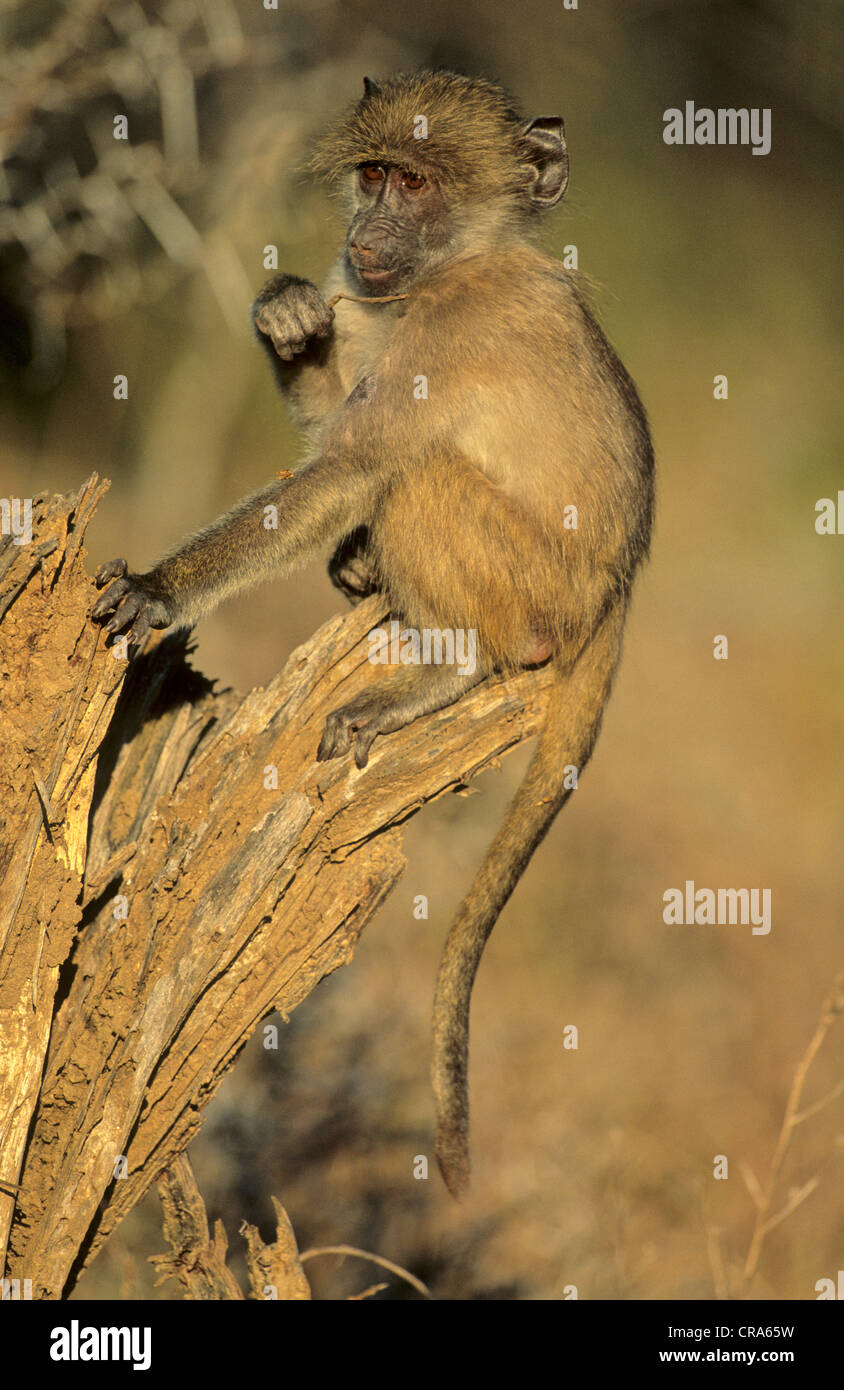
(364, 249)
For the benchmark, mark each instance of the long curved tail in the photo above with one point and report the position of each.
(576, 707)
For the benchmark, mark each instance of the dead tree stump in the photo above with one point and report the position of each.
(174, 865)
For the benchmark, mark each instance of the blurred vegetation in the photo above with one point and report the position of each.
(593, 1167)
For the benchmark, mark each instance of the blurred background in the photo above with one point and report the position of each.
(593, 1167)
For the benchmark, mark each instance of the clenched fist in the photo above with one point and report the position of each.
(291, 313)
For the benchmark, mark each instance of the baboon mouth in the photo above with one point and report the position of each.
(373, 275)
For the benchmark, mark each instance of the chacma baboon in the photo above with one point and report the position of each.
(512, 494)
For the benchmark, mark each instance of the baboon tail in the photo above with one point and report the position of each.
(576, 707)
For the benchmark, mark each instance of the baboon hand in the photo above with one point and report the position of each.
(291, 313)
(351, 570)
(132, 603)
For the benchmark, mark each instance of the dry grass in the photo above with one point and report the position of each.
(763, 1195)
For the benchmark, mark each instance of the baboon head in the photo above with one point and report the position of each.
(436, 163)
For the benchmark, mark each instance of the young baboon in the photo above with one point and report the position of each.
(477, 453)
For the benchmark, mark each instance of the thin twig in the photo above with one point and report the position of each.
(818, 1104)
(832, 1006)
(716, 1263)
(796, 1197)
(365, 299)
(367, 1255)
(751, 1182)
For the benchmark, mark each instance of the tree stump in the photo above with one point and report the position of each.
(174, 865)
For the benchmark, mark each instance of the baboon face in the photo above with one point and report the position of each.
(399, 225)
(437, 164)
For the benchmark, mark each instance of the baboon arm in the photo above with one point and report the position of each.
(266, 534)
(310, 385)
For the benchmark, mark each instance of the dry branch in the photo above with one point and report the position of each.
(177, 866)
(197, 1261)
(278, 1266)
(763, 1198)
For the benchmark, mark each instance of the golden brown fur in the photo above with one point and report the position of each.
(451, 499)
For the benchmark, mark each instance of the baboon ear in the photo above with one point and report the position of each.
(544, 145)
(369, 87)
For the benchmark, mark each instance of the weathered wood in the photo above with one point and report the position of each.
(275, 1266)
(197, 1260)
(213, 872)
(58, 691)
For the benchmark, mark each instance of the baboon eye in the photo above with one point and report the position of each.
(412, 181)
(372, 173)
